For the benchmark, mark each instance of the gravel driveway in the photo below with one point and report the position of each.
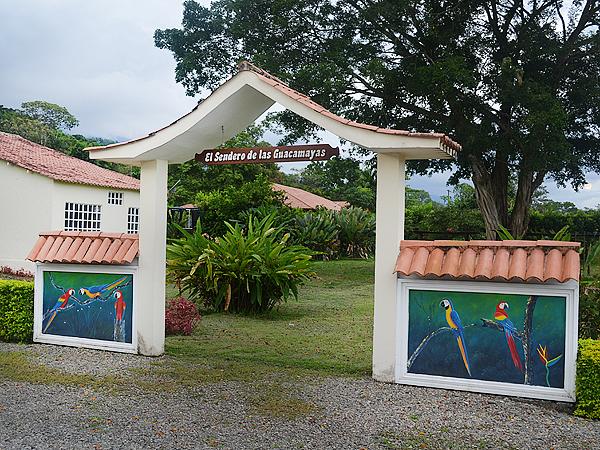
(329, 413)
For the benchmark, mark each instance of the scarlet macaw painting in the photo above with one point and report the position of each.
(88, 305)
(487, 336)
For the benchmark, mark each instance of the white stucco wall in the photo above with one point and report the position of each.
(113, 217)
(31, 203)
(25, 210)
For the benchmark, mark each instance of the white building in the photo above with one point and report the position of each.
(42, 189)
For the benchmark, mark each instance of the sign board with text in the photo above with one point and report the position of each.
(260, 155)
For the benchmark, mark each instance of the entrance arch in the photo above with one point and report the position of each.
(231, 108)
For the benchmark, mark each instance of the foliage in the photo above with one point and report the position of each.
(588, 374)
(182, 256)
(181, 316)
(591, 260)
(317, 230)
(459, 214)
(230, 203)
(250, 270)
(561, 235)
(356, 232)
(338, 179)
(16, 311)
(589, 312)
(190, 178)
(55, 116)
(29, 125)
(514, 82)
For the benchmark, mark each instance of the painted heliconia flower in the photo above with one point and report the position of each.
(543, 354)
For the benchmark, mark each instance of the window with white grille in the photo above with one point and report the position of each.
(115, 198)
(133, 220)
(82, 217)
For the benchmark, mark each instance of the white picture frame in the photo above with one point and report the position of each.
(40, 337)
(568, 290)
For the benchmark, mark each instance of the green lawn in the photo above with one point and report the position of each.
(327, 332)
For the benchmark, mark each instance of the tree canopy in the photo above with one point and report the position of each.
(41, 122)
(515, 82)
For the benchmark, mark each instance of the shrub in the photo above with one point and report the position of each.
(318, 231)
(16, 311)
(181, 316)
(588, 377)
(589, 312)
(246, 270)
(230, 203)
(356, 229)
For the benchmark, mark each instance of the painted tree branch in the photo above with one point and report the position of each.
(425, 341)
(486, 323)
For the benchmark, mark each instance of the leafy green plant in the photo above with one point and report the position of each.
(16, 310)
(589, 313)
(317, 230)
(182, 256)
(356, 227)
(504, 234)
(249, 269)
(591, 259)
(563, 234)
(588, 374)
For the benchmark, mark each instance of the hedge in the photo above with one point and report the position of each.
(588, 379)
(16, 311)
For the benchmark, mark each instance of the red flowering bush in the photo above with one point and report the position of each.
(181, 316)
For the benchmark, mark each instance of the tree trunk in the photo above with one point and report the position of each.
(527, 184)
(527, 331)
(488, 198)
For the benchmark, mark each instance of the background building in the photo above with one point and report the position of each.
(42, 189)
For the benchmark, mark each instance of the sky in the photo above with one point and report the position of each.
(97, 58)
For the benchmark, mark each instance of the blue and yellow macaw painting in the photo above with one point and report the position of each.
(88, 305)
(480, 336)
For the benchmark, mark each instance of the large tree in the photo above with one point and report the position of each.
(515, 82)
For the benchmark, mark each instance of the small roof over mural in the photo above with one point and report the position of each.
(58, 166)
(516, 261)
(299, 198)
(82, 247)
(241, 100)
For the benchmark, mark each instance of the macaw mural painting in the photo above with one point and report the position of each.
(88, 305)
(487, 336)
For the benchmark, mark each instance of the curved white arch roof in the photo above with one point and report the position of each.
(238, 102)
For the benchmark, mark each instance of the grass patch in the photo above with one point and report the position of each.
(14, 366)
(273, 400)
(327, 332)
(423, 440)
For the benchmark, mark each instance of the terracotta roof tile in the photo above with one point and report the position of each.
(73, 247)
(521, 261)
(299, 198)
(58, 166)
(448, 145)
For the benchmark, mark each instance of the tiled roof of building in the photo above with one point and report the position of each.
(58, 166)
(520, 261)
(299, 198)
(451, 146)
(80, 247)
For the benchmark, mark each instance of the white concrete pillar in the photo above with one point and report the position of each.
(390, 231)
(152, 260)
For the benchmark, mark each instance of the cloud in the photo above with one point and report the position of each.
(97, 58)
